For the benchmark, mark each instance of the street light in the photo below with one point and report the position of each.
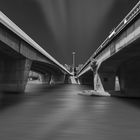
(73, 61)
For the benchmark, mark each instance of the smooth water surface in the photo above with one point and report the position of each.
(60, 113)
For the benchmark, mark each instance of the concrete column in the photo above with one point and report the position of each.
(98, 86)
(14, 74)
(78, 82)
(104, 81)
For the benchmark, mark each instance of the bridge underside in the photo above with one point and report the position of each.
(15, 68)
(50, 74)
(120, 74)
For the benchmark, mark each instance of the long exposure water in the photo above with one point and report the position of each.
(60, 113)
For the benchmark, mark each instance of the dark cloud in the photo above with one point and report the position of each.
(63, 26)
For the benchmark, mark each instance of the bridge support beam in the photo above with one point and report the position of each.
(14, 74)
(104, 81)
(51, 79)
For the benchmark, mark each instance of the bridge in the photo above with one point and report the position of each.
(19, 54)
(114, 67)
(60, 112)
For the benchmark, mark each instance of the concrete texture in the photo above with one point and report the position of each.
(14, 75)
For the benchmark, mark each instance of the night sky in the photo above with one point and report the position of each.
(64, 26)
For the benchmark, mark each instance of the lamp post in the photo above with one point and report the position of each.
(73, 61)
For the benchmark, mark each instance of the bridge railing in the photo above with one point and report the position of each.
(129, 17)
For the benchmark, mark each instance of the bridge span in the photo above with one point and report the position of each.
(19, 54)
(115, 65)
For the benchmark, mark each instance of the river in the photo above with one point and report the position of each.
(60, 113)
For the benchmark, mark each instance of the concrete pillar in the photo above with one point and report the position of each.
(78, 82)
(98, 86)
(104, 81)
(14, 74)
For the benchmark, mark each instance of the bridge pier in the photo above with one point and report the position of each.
(105, 76)
(104, 81)
(119, 76)
(14, 74)
(51, 79)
